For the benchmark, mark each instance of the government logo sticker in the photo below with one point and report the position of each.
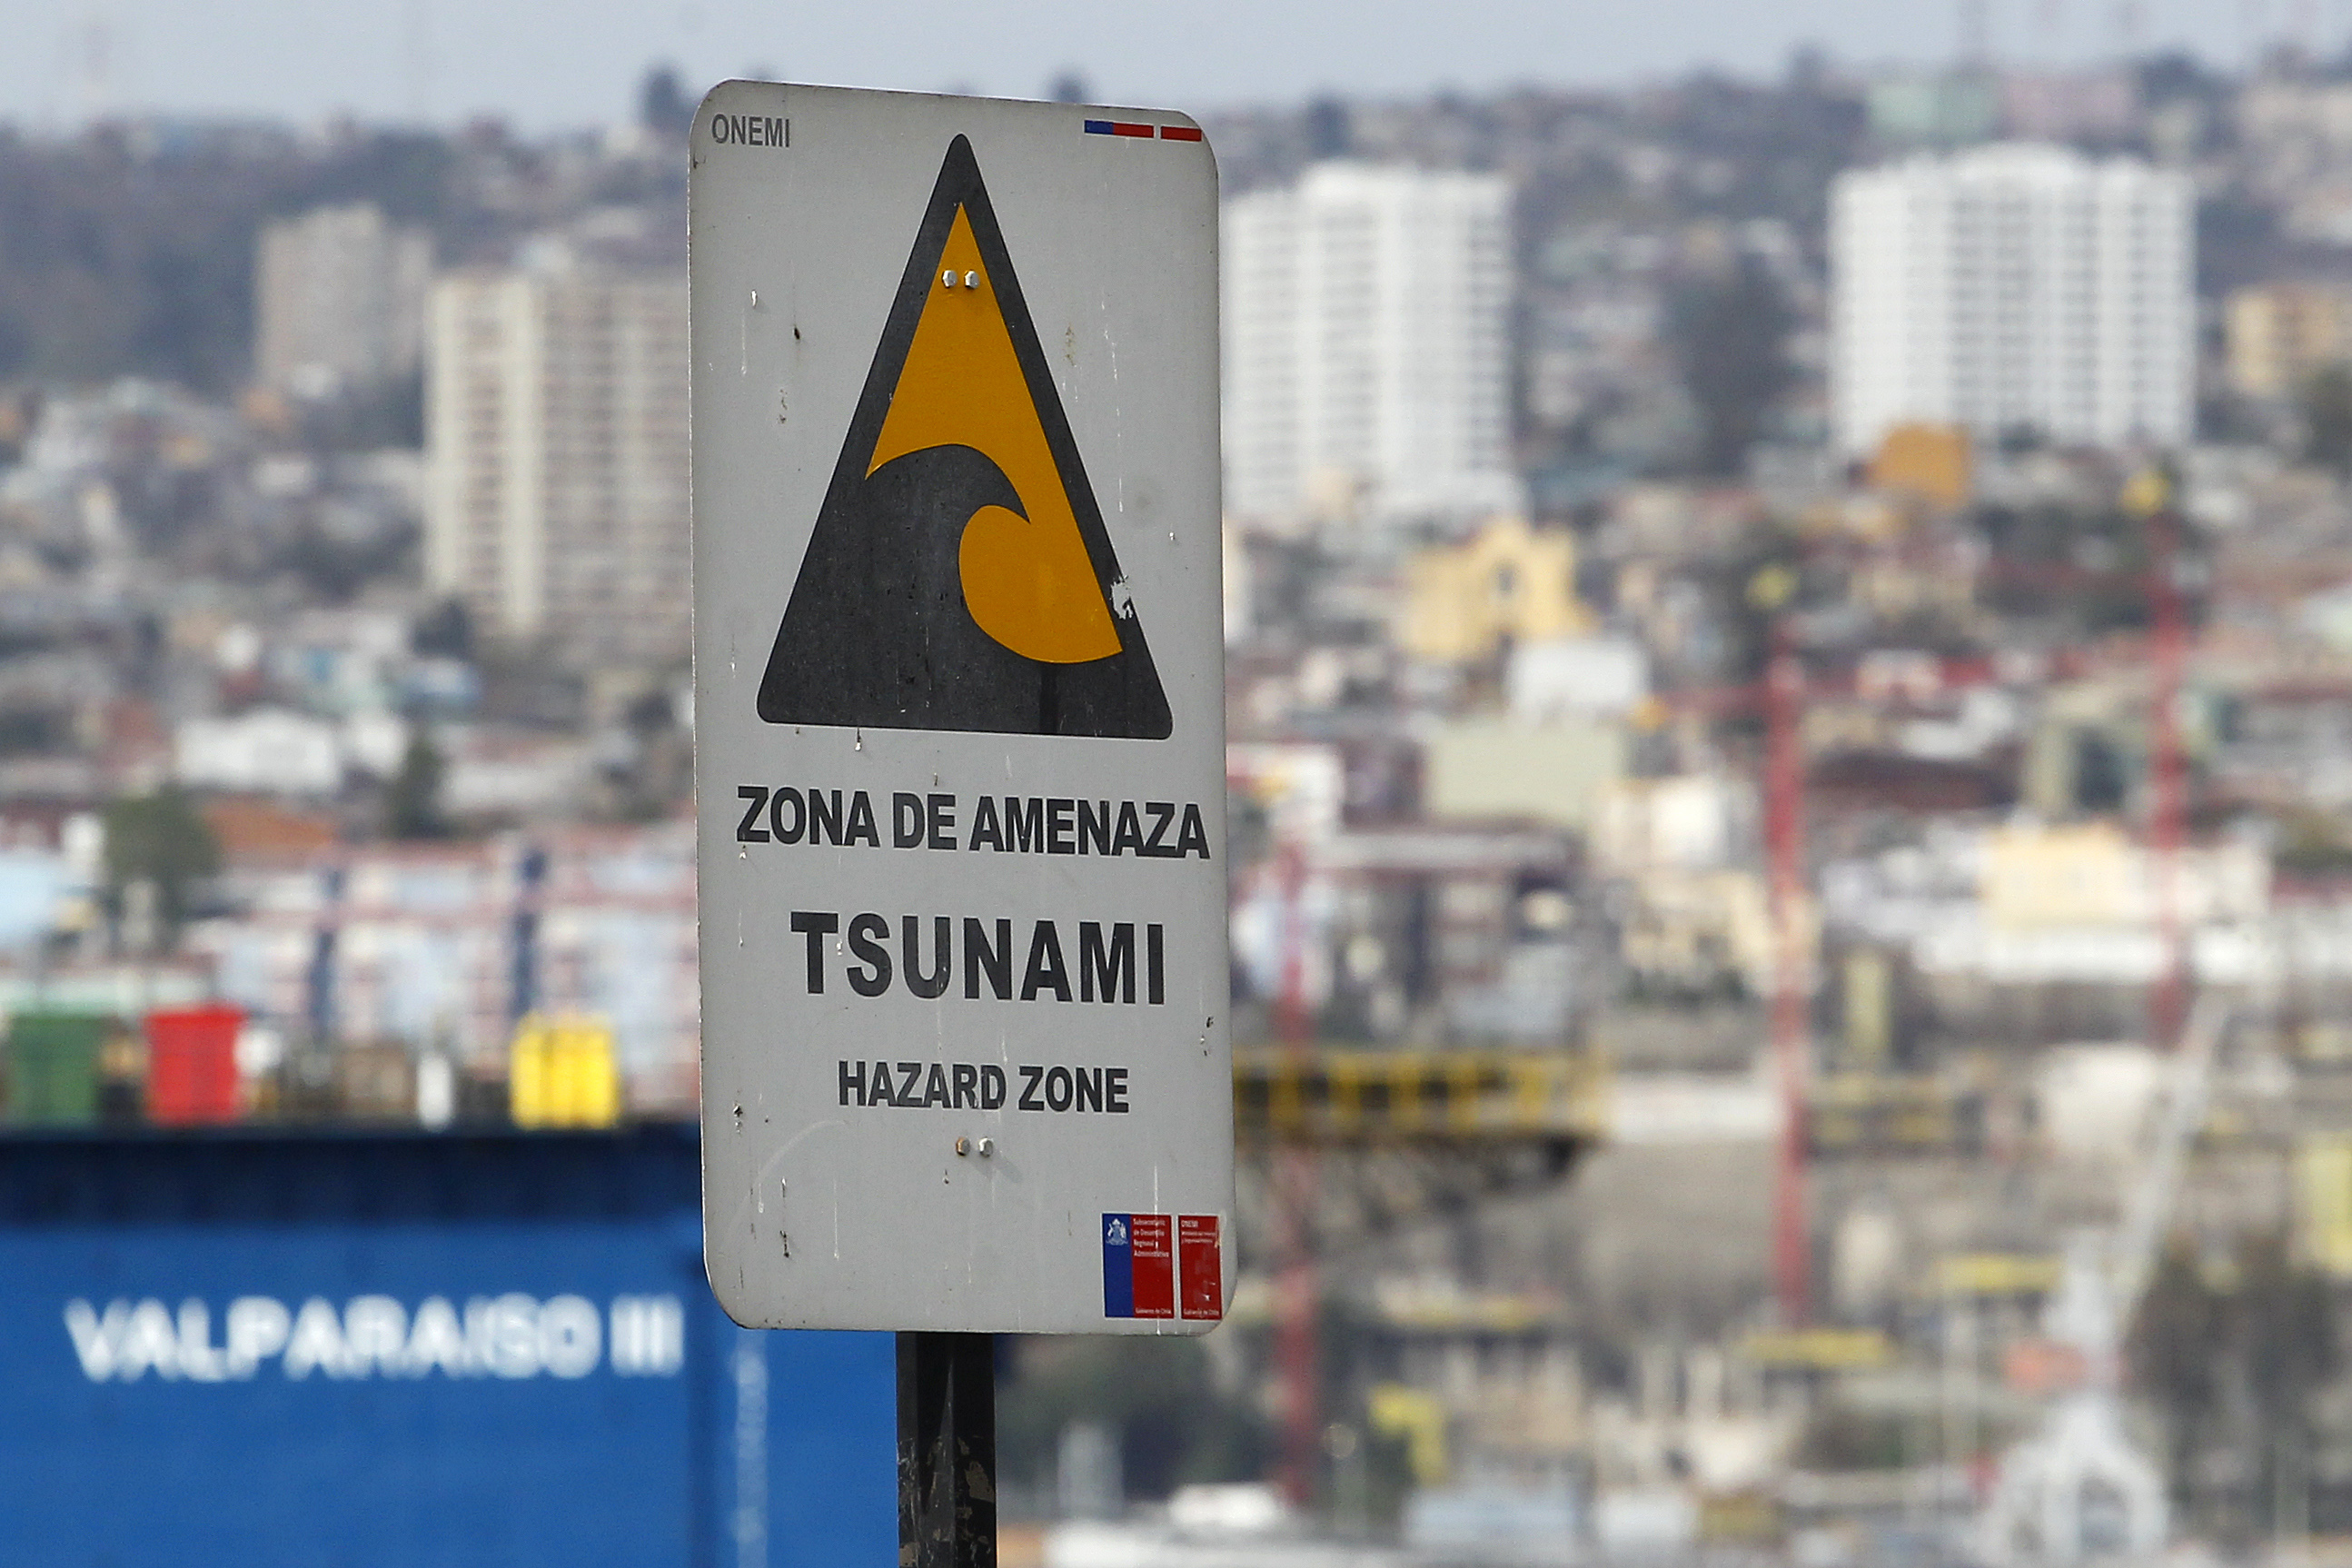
(1163, 1266)
(960, 576)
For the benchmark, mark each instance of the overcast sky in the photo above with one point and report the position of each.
(555, 63)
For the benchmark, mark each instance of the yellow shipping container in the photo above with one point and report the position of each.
(562, 1072)
(1819, 1350)
(2323, 1202)
(1998, 1274)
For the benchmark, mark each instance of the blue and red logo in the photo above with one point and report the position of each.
(1162, 1266)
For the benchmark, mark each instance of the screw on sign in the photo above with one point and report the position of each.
(960, 700)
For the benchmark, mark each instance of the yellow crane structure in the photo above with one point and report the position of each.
(1348, 1096)
(1400, 1135)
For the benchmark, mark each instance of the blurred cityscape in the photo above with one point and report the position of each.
(1789, 684)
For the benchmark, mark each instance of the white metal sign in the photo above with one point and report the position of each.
(959, 714)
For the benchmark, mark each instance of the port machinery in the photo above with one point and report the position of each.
(1400, 1135)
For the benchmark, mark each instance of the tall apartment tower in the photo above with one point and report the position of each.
(339, 300)
(2013, 287)
(556, 501)
(1366, 364)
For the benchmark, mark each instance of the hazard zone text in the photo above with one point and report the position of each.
(1012, 823)
(1105, 951)
(983, 1086)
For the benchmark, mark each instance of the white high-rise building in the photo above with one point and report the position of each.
(1366, 362)
(339, 300)
(556, 500)
(2014, 286)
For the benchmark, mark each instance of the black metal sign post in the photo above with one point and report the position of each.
(947, 1450)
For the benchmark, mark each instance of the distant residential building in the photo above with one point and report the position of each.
(2280, 335)
(2296, 129)
(269, 752)
(514, 774)
(2013, 288)
(339, 300)
(2314, 111)
(1301, 787)
(1455, 930)
(1575, 676)
(1700, 932)
(556, 491)
(2294, 135)
(1929, 462)
(2093, 874)
(1367, 368)
(278, 751)
(1487, 770)
(1238, 585)
(1683, 822)
(253, 830)
(1507, 584)
(1935, 107)
(2099, 104)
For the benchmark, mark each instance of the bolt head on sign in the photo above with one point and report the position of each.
(959, 714)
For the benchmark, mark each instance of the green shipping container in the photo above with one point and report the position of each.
(53, 1069)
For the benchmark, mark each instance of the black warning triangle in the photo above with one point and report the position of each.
(960, 576)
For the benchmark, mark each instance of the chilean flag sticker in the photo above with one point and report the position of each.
(1162, 1266)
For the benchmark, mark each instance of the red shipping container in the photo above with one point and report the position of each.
(192, 1064)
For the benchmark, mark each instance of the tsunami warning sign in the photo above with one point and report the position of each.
(960, 577)
(961, 820)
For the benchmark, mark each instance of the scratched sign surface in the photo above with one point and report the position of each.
(959, 714)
